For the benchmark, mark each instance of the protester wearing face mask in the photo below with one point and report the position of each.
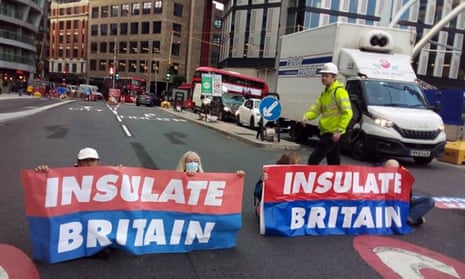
(190, 163)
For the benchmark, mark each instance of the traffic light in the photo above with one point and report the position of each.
(111, 71)
(168, 76)
(117, 76)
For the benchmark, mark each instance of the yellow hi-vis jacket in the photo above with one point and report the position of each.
(333, 107)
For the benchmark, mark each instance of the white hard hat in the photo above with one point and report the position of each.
(87, 153)
(329, 68)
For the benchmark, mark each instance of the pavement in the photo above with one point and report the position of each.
(228, 128)
(235, 131)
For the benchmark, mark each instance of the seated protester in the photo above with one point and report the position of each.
(87, 157)
(419, 206)
(288, 158)
(190, 163)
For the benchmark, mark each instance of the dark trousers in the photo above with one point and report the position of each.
(326, 148)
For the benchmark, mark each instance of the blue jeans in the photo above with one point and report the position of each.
(419, 206)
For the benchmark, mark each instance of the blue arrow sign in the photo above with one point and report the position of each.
(270, 108)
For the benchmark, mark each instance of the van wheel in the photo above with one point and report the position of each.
(423, 160)
(358, 148)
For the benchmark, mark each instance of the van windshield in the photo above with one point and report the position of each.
(394, 94)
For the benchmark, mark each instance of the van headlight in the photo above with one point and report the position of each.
(385, 123)
(226, 109)
(441, 127)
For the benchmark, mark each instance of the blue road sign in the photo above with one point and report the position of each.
(270, 108)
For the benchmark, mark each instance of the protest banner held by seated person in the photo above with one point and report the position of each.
(321, 200)
(77, 212)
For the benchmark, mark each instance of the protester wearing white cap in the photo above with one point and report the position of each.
(87, 157)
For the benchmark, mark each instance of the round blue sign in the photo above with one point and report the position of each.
(270, 108)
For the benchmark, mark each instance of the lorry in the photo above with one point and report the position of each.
(391, 116)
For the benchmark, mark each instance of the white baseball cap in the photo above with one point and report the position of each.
(87, 153)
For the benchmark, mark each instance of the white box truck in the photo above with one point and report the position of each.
(391, 114)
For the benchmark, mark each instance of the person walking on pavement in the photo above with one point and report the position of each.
(333, 107)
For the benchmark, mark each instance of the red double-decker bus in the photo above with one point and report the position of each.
(129, 87)
(236, 83)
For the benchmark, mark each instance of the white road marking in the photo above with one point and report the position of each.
(126, 130)
(409, 264)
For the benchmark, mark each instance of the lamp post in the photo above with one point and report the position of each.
(113, 77)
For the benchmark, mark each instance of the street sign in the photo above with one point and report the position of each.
(270, 108)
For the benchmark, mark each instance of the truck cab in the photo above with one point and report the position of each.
(392, 118)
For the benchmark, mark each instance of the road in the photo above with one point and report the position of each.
(155, 138)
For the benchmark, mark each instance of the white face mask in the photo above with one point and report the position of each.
(192, 167)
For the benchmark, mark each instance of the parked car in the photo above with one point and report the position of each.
(72, 90)
(148, 99)
(248, 113)
(229, 104)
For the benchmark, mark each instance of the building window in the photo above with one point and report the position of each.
(123, 47)
(77, 11)
(177, 29)
(111, 47)
(103, 29)
(156, 27)
(155, 46)
(135, 8)
(103, 47)
(145, 27)
(114, 29)
(124, 9)
(177, 10)
(114, 10)
(132, 66)
(123, 28)
(94, 30)
(142, 66)
(102, 65)
(93, 47)
(121, 65)
(104, 11)
(95, 12)
(146, 8)
(158, 7)
(61, 25)
(217, 23)
(175, 49)
(93, 65)
(134, 28)
(144, 47)
(60, 53)
(133, 47)
(68, 24)
(76, 24)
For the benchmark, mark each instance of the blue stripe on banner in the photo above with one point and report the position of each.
(83, 234)
(326, 217)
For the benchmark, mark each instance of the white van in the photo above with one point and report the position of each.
(89, 92)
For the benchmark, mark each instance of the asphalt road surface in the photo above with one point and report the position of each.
(155, 138)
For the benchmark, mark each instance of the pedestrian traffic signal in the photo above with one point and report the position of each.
(111, 71)
(168, 76)
(117, 76)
